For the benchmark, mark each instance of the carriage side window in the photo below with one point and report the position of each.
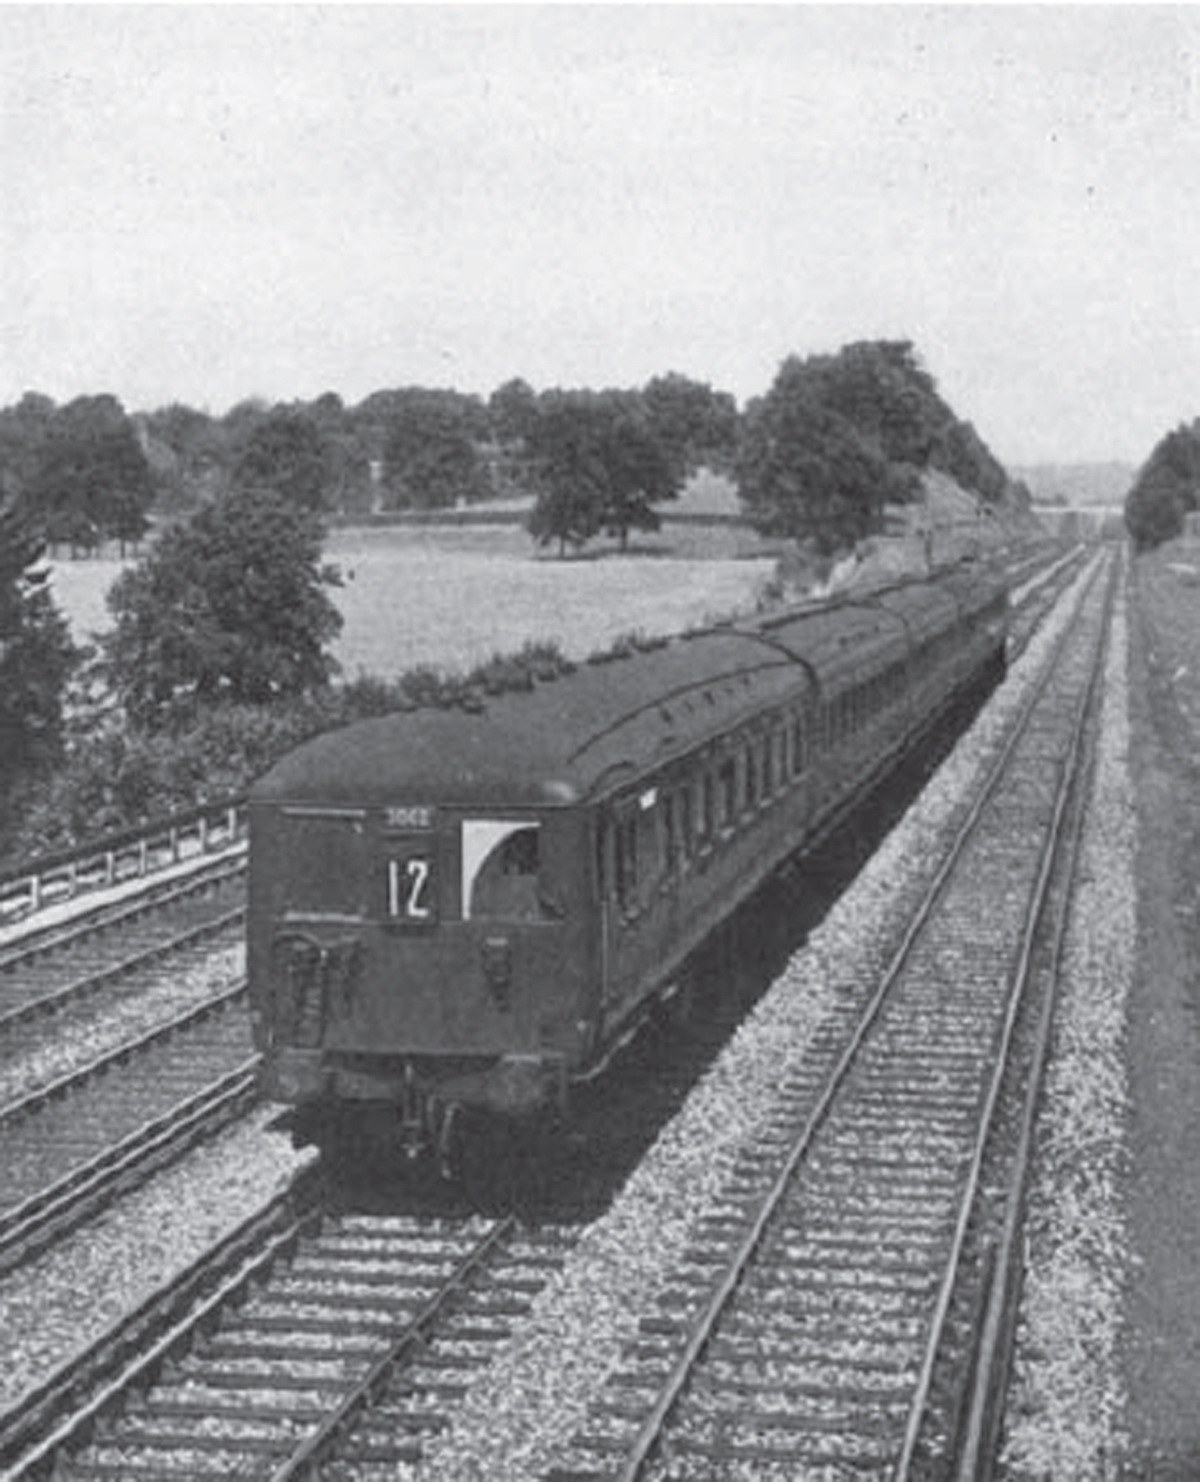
(501, 859)
(627, 863)
(750, 760)
(707, 810)
(686, 827)
(670, 834)
(727, 793)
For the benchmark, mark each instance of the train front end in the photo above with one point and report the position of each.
(418, 947)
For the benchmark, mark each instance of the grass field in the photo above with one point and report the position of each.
(453, 597)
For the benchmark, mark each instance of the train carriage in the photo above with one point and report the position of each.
(470, 908)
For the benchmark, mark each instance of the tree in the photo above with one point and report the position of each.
(598, 466)
(229, 606)
(283, 452)
(512, 411)
(431, 457)
(696, 425)
(880, 388)
(92, 481)
(195, 456)
(23, 430)
(1166, 488)
(804, 471)
(36, 652)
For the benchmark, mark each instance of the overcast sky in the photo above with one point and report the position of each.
(206, 203)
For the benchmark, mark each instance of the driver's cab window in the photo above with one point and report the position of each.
(501, 860)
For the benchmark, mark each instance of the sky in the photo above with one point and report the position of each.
(209, 203)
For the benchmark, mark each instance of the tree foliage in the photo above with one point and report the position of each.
(229, 606)
(92, 480)
(431, 457)
(805, 472)
(840, 436)
(695, 424)
(512, 411)
(283, 452)
(36, 652)
(598, 466)
(1166, 488)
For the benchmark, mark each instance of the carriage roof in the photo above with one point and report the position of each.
(582, 733)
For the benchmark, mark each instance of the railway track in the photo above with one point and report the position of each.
(120, 1046)
(51, 968)
(823, 1320)
(308, 1341)
(168, 1446)
(76, 1143)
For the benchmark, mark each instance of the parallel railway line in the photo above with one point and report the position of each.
(339, 1340)
(206, 1413)
(72, 1146)
(111, 1061)
(50, 968)
(817, 1323)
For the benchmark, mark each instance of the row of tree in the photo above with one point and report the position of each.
(94, 473)
(231, 604)
(1166, 489)
(835, 438)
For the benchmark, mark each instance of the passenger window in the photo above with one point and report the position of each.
(627, 864)
(706, 817)
(670, 833)
(751, 762)
(728, 793)
(685, 823)
(500, 865)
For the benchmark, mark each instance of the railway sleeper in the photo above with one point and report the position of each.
(182, 1439)
(282, 1402)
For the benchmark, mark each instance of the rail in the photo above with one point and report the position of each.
(114, 858)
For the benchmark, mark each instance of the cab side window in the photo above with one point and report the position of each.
(501, 868)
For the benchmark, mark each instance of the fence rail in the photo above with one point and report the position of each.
(130, 855)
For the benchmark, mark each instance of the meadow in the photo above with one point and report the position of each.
(452, 597)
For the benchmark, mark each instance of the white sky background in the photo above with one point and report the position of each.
(206, 203)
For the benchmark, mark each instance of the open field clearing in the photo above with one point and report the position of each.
(454, 597)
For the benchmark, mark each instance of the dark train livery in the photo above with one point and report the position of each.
(469, 908)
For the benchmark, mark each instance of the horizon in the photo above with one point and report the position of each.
(211, 204)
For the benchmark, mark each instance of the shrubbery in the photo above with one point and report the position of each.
(124, 776)
(1166, 489)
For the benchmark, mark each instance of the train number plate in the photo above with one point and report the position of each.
(414, 816)
(412, 894)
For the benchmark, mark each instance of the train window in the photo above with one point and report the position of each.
(670, 833)
(727, 793)
(686, 832)
(500, 864)
(627, 864)
(707, 810)
(326, 872)
(750, 762)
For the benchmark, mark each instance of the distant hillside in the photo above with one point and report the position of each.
(1077, 483)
